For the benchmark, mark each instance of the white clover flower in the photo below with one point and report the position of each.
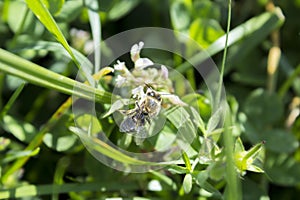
(138, 92)
(141, 63)
(119, 66)
(120, 80)
(135, 51)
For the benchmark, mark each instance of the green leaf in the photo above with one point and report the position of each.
(165, 138)
(282, 169)
(201, 180)
(215, 120)
(121, 8)
(187, 183)
(117, 105)
(206, 9)
(25, 22)
(253, 190)
(178, 169)
(15, 155)
(280, 141)
(69, 11)
(24, 131)
(198, 120)
(88, 123)
(180, 15)
(217, 171)
(95, 24)
(60, 138)
(205, 31)
(59, 143)
(263, 108)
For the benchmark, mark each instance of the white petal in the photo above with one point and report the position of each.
(135, 51)
(164, 72)
(141, 63)
(119, 66)
(120, 80)
(138, 92)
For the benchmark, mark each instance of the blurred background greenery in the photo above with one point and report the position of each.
(261, 79)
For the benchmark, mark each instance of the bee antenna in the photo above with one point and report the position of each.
(165, 94)
(148, 85)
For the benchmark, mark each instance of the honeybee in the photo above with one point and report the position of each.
(145, 109)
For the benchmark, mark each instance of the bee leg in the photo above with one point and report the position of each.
(137, 105)
(147, 117)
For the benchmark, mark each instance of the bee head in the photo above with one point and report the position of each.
(153, 94)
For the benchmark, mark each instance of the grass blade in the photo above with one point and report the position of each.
(95, 24)
(43, 14)
(11, 101)
(33, 73)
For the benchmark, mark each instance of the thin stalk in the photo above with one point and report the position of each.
(233, 189)
(11, 101)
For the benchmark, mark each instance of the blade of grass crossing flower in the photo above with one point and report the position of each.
(33, 73)
(105, 149)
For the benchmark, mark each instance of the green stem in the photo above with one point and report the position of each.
(233, 190)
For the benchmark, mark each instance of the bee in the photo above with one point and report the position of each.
(145, 109)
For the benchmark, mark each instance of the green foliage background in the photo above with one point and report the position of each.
(261, 78)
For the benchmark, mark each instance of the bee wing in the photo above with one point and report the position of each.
(128, 125)
(142, 132)
(141, 135)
